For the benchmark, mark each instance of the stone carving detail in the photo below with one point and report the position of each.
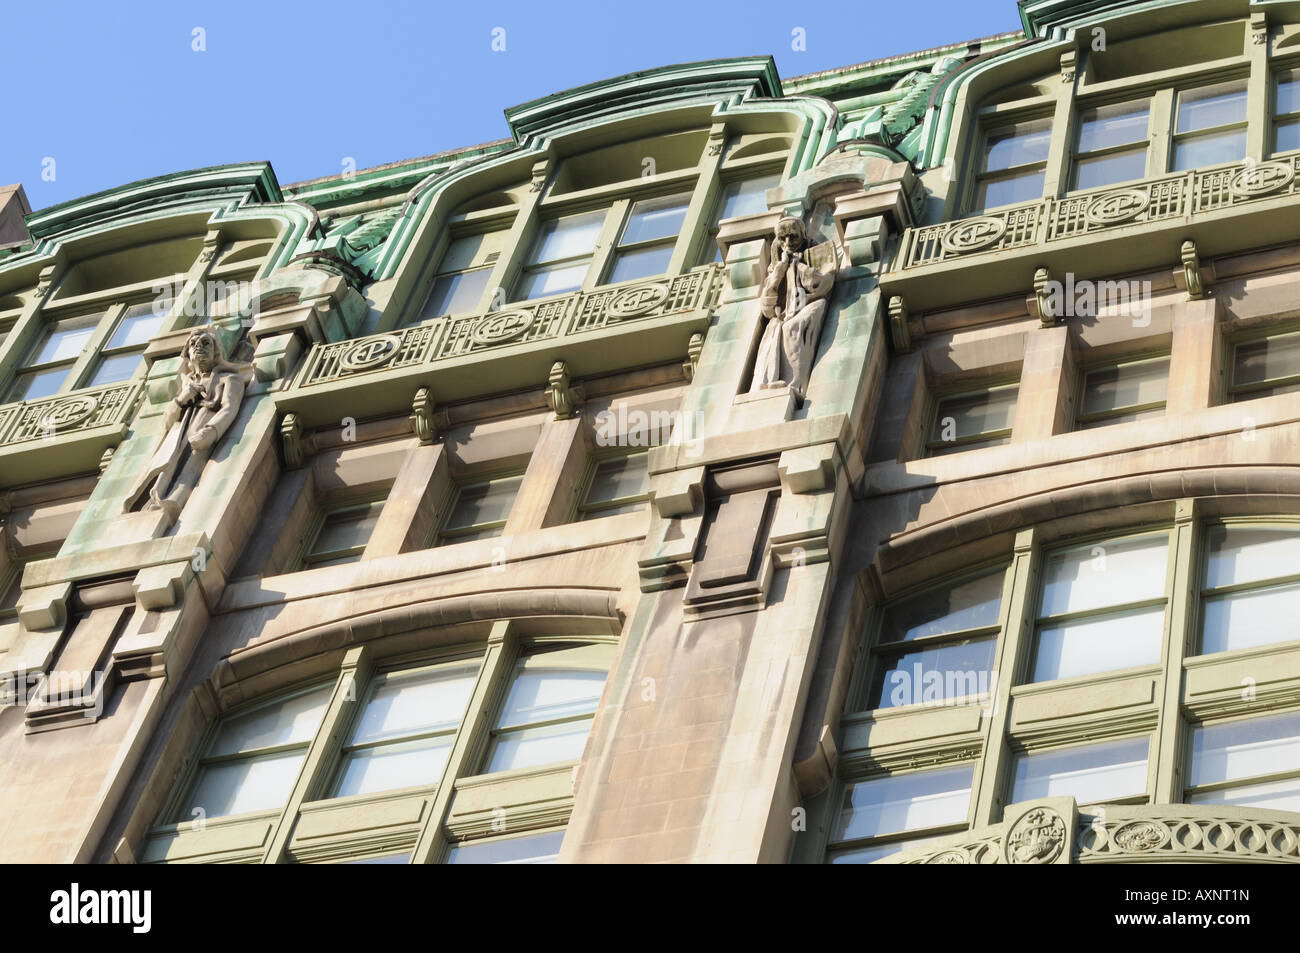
(949, 857)
(637, 301)
(53, 416)
(793, 300)
(291, 441)
(1138, 836)
(694, 348)
(1261, 178)
(1193, 277)
(501, 326)
(69, 413)
(1037, 838)
(370, 352)
(209, 392)
(422, 417)
(973, 235)
(1114, 207)
(560, 394)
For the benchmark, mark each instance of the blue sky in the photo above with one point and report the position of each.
(114, 92)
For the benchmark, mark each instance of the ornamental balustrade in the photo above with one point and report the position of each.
(516, 323)
(61, 414)
(1177, 195)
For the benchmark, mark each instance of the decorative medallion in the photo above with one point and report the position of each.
(949, 857)
(370, 352)
(973, 234)
(1260, 178)
(636, 301)
(69, 413)
(501, 327)
(1140, 835)
(1037, 838)
(1112, 208)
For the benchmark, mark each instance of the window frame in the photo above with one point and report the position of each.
(1212, 787)
(980, 441)
(582, 508)
(307, 559)
(444, 537)
(988, 125)
(1200, 592)
(1236, 393)
(1075, 155)
(1102, 418)
(1200, 83)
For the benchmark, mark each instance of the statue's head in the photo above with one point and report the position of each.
(790, 234)
(202, 350)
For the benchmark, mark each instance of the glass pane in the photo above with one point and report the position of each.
(1286, 137)
(972, 414)
(556, 684)
(534, 849)
(402, 765)
(1272, 795)
(968, 604)
(619, 478)
(487, 532)
(746, 197)
(1246, 619)
(244, 785)
(615, 510)
(905, 802)
(1122, 418)
(292, 721)
(1026, 187)
(1126, 385)
(346, 528)
(1109, 573)
(404, 705)
(456, 294)
(1115, 125)
(935, 675)
(1267, 359)
(1245, 749)
(39, 384)
(530, 747)
(655, 218)
(1100, 644)
(567, 237)
(866, 855)
(463, 252)
(1288, 93)
(1092, 773)
(1212, 106)
(553, 280)
(115, 369)
(1020, 144)
(1237, 554)
(1108, 169)
(62, 344)
(137, 326)
(640, 263)
(484, 502)
(1210, 150)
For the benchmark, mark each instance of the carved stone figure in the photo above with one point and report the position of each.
(207, 399)
(793, 301)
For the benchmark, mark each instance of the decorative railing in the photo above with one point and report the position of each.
(1177, 195)
(81, 410)
(519, 323)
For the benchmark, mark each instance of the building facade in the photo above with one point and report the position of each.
(886, 464)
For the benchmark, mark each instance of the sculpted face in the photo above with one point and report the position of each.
(789, 237)
(203, 352)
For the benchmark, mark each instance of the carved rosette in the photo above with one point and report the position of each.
(974, 234)
(1037, 838)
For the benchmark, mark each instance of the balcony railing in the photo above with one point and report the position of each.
(518, 323)
(1174, 196)
(83, 410)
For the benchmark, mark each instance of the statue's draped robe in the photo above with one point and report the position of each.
(789, 344)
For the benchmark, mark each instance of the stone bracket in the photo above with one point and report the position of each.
(678, 493)
(45, 608)
(807, 469)
(694, 349)
(161, 587)
(562, 396)
(900, 335)
(426, 421)
(1039, 304)
(1193, 277)
(291, 440)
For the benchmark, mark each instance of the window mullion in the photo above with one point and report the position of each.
(1258, 106)
(502, 647)
(1161, 124)
(514, 251)
(606, 243)
(704, 197)
(90, 353)
(1056, 171)
(343, 702)
(1165, 767)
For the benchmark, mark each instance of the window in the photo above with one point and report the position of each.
(480, 510)
(528, 849)
(1253, 762)
(406, 729)
(973, 419)
(561, 255)
(938, 645)
(1286, 112)
(617, 485)
(463, 275)
(47, 367)
(120, 357)
(1211, 125)
(1109, 771)
(1112, 144)
(548, 712)
(1120, 393)
(253, 760)
(1265, 367)
(1102, 607)
(740, 197)
(1014, 164)
(1251, 588)
(646, 244)
(342, 534)
(885, 815)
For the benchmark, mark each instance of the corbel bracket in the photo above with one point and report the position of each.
(1192, 277)
(899, 333)
(425, 420)
(563, 397)
(291, 439)
(1041, 304)
(693, 351)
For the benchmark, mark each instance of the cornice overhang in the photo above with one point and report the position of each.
(742, 78)
(234, 185)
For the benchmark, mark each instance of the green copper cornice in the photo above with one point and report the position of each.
(744, 78)
(252, 182)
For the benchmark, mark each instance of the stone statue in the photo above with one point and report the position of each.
(207, 399)
(793, 301)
